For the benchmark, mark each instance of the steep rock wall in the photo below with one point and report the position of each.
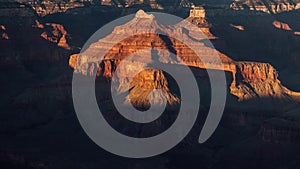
(257, 80)
(278, 130)
(274, 7)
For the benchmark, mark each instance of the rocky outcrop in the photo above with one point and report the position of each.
(3, 32)
(258, 80)
(273, 7)
(238, 27)
(63, 42)
(55, 33)
(73, 60)
(38, 25)
(144, 83)
(282, 26)
(46, 7)
(253, 72)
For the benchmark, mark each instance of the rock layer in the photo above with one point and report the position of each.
(276, 6)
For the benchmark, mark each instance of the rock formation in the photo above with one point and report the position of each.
(55, 33)
(3, 32)
(46, 7)
(274, 7)
(250, 80)
(37, 108)
(238, 27)
(38, 25)
(73, 60)
(259, 80)
(281, 25)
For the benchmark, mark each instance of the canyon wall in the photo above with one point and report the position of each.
(273, 7)
(280, 130)
(46, 7)
(257, 80)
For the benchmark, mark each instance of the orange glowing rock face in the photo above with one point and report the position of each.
(144, 83)
(163, 45)
(296, 33)
(281, 25)
(155, 41)
(63, 43)
(3, 33)
(73, 60)
(54, 33)
(38, 25)
(238, 27)
(2, 27)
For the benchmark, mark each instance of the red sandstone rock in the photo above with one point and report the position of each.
(38, 25)
(55, 33)
(281, 25)
(63, 43)
(238, 27)
(275, 6)
(73, 60)
(296, 33)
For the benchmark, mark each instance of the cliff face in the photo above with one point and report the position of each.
(283, 129)
(257, 80)
(45, 7)
(144, 83)
(265, 6)
(280, 130)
